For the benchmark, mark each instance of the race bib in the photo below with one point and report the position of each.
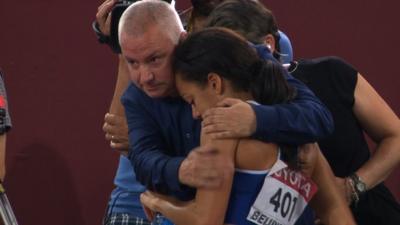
(283, 197)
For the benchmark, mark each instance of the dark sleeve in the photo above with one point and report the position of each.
(4, 103)
(153, 167)
(303, 120)
(343, 78)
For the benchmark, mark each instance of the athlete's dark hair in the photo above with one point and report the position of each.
(226, 53)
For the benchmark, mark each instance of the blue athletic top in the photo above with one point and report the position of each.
(242, 196)
(245, 188)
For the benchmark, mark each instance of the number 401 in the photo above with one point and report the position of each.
(283, 203)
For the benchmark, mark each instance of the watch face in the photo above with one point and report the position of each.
(360, 187)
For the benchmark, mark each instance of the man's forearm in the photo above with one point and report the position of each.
(157, 171)
(301, 121)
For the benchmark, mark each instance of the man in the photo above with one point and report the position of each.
(160, 122)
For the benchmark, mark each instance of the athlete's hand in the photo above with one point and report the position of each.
(344, 188)
(150, 214)
(232, 118)
(179, 212)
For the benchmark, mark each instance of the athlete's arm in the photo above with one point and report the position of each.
(328, 203)
(210, 205)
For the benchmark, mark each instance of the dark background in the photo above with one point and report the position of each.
(60, 82)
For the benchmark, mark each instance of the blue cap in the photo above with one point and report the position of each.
(286, 48)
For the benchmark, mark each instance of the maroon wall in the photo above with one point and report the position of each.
(60, 83)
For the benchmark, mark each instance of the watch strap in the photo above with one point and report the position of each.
(359, 184)
(103, 39)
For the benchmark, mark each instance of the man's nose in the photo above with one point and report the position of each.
(145, 75)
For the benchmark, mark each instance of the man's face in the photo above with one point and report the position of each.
(148, 57)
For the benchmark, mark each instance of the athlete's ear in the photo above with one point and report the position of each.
(215, 82)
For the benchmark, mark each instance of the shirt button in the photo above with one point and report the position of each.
(188, 135)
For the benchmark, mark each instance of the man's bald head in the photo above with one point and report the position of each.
(142, 15)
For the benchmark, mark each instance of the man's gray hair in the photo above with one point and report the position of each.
(141, 15)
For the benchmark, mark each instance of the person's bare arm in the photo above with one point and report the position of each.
(328, 202)
(209, 206)
(212, 203)
(180, 211)
(115, 125)
(383, 126)
(120, 86)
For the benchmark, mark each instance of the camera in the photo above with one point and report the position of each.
(116, 14)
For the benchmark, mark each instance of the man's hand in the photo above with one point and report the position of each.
(116, 130)
(232, 118)
(203, 168)
(103, 16)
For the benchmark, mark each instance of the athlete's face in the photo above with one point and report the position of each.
(198, 96)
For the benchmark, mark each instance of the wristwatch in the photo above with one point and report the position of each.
(359, 184)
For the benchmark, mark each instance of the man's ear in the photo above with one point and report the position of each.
(269, 41)
(215, 82)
